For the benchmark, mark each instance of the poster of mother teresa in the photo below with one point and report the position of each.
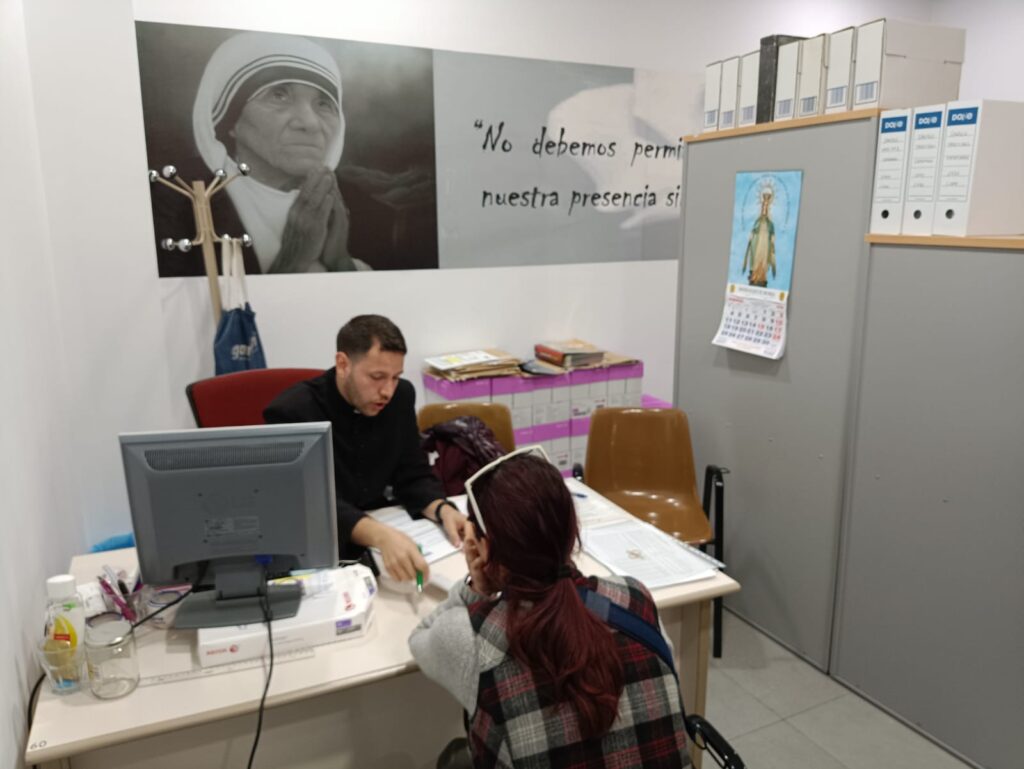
(338, 137)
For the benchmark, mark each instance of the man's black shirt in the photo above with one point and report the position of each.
(370, 453)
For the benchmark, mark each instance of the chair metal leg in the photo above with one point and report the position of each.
(714, 477)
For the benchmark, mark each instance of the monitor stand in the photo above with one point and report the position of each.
(208, 610)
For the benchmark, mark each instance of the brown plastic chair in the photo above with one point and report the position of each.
(495, 415)
(642, 460)
(231, 400)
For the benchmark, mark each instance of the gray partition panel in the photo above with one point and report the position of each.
(781, 426)
(930, 615)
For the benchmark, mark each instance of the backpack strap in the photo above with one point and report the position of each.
(703, 734)
(629, 624)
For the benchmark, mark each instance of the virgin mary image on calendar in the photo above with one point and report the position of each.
(327, 146)
(765, 214)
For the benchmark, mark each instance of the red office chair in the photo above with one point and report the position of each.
(236, 399)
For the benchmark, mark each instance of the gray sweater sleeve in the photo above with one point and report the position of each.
(444, 646)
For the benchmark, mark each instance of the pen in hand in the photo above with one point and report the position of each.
(419, 574)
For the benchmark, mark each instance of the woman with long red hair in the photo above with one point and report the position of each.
(545, 681)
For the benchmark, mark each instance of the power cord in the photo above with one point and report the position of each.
(265, 604)
(31, 704)
(191, 589)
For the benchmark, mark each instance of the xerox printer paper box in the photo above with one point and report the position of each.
(335, 614)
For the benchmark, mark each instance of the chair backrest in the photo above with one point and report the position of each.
(640, 449)
(231, 400)
(495, 415)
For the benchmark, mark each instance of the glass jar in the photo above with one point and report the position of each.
(160, 601)
(111, 657)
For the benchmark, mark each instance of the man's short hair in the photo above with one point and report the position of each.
(357, 336)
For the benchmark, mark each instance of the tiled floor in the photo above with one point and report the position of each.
(780, 713)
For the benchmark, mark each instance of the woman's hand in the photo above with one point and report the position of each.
(476, 561)
(305, 229)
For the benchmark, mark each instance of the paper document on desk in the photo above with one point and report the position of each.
(593, 510)
(427, 534)
(637, 549)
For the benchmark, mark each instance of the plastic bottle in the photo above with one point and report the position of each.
(65, 622)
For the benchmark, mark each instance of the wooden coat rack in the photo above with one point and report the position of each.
(199, 193)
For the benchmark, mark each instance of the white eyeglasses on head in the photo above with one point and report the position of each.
(536, 450)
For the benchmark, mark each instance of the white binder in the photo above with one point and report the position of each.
(785, 81)
(750, 67)
(890, 172)
(811, 81)
(840, 70)
(897, 63)
(729, 94)
(712, 91)
(923, 169)
(981, 181)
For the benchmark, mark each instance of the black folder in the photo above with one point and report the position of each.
(767, 74)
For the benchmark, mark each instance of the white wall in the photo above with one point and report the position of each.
(93, 343)
(992, 69)
(40, 522)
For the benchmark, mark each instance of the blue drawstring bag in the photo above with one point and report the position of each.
(236, 345)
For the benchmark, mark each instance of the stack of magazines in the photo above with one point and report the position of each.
(472, 364)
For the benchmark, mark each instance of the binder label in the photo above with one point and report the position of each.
(867, 92)
(894, 125)
(891, 162)
(925, 144)
(958, 154)
(962, 116)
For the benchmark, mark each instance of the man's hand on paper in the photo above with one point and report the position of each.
(453, 522)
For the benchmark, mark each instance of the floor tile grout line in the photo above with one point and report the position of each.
(774, 712)
(817, 744)
(739, 735)
(822, 748)
(844, 693)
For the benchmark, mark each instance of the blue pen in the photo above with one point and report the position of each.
(579, 495)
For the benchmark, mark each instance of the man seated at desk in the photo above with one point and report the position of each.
(376, 442)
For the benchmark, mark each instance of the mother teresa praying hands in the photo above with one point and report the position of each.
(274, 103)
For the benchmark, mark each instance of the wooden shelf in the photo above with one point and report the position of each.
(784, 125)
(1008, 242)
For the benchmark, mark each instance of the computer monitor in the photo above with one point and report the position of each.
(230, 508)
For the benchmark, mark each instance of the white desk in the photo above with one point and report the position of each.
(359, 703)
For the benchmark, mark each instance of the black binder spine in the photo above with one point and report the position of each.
(767, 73)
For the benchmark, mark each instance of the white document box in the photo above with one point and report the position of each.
(712, 92)
(923, 169)
(730, 93)
(839, 73)
(810, 87)
(785, 81)
(890, 172)
(750, 68)
(900, 63)
(981, 178)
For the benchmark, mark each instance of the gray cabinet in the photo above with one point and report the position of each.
(875, 514)
(781, 426)
(930, 612)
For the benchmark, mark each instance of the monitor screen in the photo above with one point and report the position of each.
(230, 508)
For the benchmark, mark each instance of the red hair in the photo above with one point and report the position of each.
(531, 530)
